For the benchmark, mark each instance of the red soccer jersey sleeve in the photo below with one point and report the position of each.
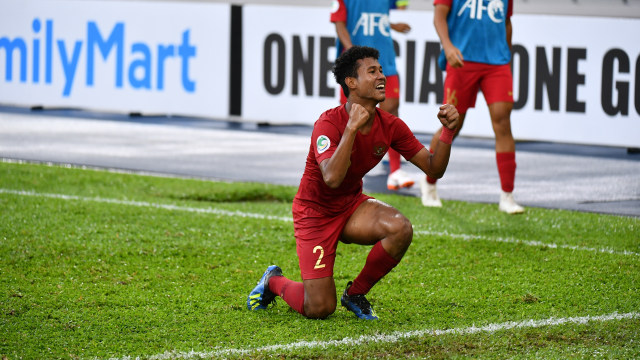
(338, 11)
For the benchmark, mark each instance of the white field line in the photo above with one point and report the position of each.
(147, 204)
(219, 212)
(386, 338)
(534, 243)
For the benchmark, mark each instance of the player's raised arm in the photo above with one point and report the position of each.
(435, 164)
(335, 168)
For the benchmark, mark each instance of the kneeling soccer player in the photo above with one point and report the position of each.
(346, 143)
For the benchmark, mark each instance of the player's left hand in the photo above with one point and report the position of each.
(449, 116)
(401, 27)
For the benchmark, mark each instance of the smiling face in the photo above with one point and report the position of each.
(370, 83)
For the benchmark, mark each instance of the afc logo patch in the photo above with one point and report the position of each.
(379, 149)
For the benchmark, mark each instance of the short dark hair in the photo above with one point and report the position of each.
(347, 64)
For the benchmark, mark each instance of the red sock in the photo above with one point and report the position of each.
(379, 263)
(394, 160)
(506, 169)
(290, 291)
(431, 180)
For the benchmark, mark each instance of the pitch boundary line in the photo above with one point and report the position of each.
(389, 338)
(220, 212)
(534, 243)
(147, 204)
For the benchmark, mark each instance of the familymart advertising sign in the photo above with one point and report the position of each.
(121, 56)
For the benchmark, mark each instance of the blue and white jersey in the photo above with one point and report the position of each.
(368, 25)
(477, 28)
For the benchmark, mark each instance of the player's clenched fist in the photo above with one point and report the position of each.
(449, 116)
(358, 116)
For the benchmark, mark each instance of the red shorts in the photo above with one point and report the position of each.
(317, 237)
(462, 84)
(391, 89)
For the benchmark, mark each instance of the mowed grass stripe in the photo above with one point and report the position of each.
(220, 212)
(392, 338)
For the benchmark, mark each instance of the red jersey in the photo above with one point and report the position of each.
(387, 131)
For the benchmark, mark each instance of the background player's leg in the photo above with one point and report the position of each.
(501, 121)
(397, 179)
(505, 154)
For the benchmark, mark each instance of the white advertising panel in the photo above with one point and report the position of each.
(577, 79)
(574, 81)
(288, 53)
(124, 56)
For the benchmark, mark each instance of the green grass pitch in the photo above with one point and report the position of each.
(103, 265)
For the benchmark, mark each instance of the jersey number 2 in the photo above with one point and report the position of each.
(318, 265)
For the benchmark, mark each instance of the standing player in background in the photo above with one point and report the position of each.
(476, 41)
(366, 23)
(346, 143)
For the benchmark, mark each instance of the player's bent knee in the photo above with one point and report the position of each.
(402, 226)
(320, 311)
(406, 234)
(401, 231)
(319, 307)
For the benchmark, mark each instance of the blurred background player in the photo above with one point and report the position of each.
(346, 143)
(476, 41)
(400, 4)
(366, 23)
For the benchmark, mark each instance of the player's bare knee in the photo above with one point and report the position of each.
(406, 234)
(320, 311)
(502, 127)
(401, 231)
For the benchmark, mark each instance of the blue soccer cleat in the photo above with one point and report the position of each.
(260, 297)
(358, 304)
